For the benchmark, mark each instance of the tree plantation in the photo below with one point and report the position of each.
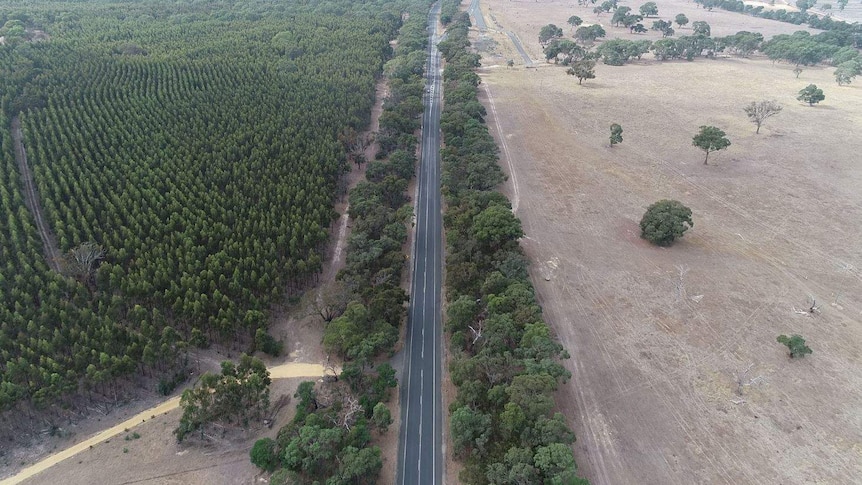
(199, 146)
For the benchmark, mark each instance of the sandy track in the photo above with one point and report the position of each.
(284, 371)
(52, 252)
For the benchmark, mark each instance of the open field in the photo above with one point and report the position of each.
(656, 355)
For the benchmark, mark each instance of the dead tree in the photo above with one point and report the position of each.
(742, 381)
(81, 261)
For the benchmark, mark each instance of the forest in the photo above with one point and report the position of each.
(198, 147)
(505, 359)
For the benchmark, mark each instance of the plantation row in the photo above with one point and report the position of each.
(202, 155)
(330, 439)
(505, 360)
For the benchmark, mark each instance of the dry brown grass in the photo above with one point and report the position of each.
(776, 221)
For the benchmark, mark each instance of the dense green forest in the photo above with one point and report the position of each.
(200, 145)
(505, 361)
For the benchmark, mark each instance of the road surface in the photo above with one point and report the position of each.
(519, 46)
(420, 440)
(476, 13)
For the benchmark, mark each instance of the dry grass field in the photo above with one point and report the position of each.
(659, 337)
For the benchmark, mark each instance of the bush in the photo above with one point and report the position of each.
(263, 454)
(665, 221)
(796, 345)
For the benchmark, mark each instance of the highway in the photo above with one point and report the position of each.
(420, 459)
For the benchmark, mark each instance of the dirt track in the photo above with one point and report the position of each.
(658, 336)
(52, 253)
(284, 371)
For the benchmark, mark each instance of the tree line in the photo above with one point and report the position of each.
(505, 358)
(331, 438)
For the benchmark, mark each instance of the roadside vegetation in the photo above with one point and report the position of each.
(505, 360)
(331, 437)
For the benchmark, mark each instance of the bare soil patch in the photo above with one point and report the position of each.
(156, 458)
(656, 356)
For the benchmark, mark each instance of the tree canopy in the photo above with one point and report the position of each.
(665, 221)
(710, 139)
(811, 94)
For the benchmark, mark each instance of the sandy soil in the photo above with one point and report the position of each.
(156, 458)
(659, 336)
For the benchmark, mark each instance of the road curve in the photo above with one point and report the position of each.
(420, 445)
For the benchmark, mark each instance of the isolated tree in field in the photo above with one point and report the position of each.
(811, 94)
(758, 111)
(649, 9)
(575, 21)
(616, 134)
(797, 70)
(681, 20)
(796, 344)
(548, 33)
(583, 69)
(665, 221)
(846, 71)
(701, 28)
(841, 4)
(638, 29)
(710, 139)
(510, 63)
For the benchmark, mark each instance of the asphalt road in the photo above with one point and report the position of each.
(420, 458)
(476, 13)
(517, 42)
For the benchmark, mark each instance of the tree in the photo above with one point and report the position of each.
(796, 344)
(841, 4)
(548, 33)
(264, 456)
(574, 21)
(619, 14)
(496, 226)
(701, 28)
(82, 260)
(758, 111)
(846, 71)
(648, 9)
(357, 466)
(665, 221)
(804, 5)
(583, 69)
(589, 34)
(638, 29)
(381, 416)
(710, 139)
(811, 94)
(510, 63)
(681, 20)
(616, 134)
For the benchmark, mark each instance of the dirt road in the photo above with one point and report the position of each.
(284, 371)
(52, 253)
